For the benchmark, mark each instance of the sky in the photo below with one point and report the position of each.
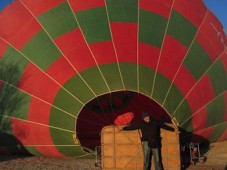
(3, 3)
(218, 7)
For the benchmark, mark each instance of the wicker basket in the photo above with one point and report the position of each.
(123, 150)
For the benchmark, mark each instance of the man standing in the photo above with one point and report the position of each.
(151, 140)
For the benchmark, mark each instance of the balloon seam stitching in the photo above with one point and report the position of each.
(159, 57)
(184, 58)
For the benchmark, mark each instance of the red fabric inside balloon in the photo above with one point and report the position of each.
(124, 119)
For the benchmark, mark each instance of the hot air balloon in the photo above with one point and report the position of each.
(82, 63)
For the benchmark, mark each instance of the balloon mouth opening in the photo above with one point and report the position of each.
(104, 109)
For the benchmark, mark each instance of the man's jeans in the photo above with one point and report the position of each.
(148, 153)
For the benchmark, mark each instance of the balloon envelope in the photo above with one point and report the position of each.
(80, 64)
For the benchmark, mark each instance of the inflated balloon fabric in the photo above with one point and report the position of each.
(81, 63)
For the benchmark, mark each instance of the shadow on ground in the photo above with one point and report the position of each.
(11, 147)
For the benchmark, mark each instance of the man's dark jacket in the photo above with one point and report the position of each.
(150, 132)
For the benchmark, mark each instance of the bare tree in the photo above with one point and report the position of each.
(10, 100)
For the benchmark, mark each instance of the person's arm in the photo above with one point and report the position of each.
(166, 127)
(132, 127)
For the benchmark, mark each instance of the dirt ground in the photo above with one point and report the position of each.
(216, 160)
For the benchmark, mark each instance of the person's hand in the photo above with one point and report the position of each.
(176, 130)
